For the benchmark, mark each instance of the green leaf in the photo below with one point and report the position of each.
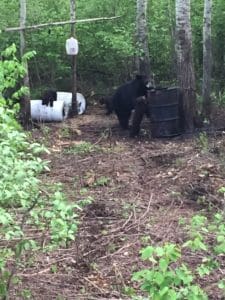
(163, 291)
(203, 270)
(163, 264)
(159, 278)
(147, 252)
(159, 251)
(221, 285)
(184, 274)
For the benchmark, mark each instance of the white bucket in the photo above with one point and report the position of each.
(41, 112)
(67, 98)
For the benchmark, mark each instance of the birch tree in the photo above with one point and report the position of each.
(185, 68)
(207, 58)
(74, 60)
(25, 101)
(143, 60)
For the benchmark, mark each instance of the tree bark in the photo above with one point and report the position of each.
(25, 101)
(143, 59)
(74, 60)
(207, 59)
(185, 68)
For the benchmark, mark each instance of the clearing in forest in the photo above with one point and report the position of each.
(141, 189)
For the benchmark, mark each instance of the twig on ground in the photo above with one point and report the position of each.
(95, 285)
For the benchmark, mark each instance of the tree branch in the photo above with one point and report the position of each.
(60, 23)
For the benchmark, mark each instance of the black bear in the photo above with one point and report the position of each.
(123, 101)
(48, 97)
(141, 108)
(107, 101)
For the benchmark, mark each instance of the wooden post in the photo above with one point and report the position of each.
(74, 60)
(25, 101)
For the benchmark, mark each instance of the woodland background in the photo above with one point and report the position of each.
(80, 200)
(107, 48)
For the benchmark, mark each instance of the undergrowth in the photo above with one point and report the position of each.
(170, 275)
(32, 217)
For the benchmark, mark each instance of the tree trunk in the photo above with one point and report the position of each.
(25, 101)
(74, 60)
(143, 59)
(185, 68)
(207, 59)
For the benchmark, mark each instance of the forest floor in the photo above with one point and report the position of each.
(141, 189)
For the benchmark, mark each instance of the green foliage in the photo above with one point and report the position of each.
(203, 142)
(83, 148)
(209, 239)
(197, 238)
(218, 35)
(167, 278)
(102, 181)
(221, 285)
(107, 48)
(161, 40)
(65, 132)
(11, 72)
(218, 98)
(25, 204)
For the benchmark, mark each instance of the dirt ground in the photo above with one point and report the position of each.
(140, 188)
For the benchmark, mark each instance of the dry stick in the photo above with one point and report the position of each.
(127, 221)
(34, 274)
(129, 227)
(138, 220)
(148, 208)
(58, 23)
(123, 227)
(95, 285)
(118, 251)
(142, 216)
(134, 212)
(48, 268)
(84, 159)
(118, 274)
(103, 138)
(133, 223)
(115, 236)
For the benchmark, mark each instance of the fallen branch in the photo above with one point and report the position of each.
(118, 251)
(34, 274)
(95, 285)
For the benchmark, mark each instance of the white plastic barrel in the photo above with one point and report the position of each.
(67, 98)
(41, 112)
(81, 104)
(64, 96)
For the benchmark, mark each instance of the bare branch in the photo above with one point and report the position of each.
(60, 23)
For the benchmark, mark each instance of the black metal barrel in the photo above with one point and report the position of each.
(165, 112)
